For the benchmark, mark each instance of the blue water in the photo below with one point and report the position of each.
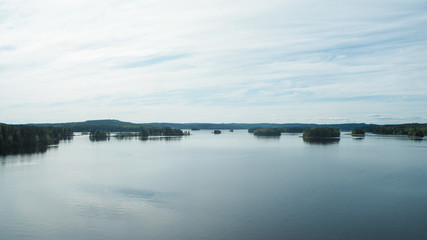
(228, 186)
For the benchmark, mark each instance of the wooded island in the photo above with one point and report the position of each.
(322, 132)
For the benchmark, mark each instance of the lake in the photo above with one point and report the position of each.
(228, 186)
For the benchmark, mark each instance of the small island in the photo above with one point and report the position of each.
(267, 132)
(217, 131)
(99, 135)
(322, 132)
(358, 132)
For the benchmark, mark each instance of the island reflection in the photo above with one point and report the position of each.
(24, 150)
(161, 138)
(149, 138)
(321, 141)
(267, 138)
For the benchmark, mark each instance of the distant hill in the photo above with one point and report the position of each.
(120, 126)
(110, 125)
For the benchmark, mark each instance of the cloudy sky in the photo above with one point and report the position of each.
(307, 61)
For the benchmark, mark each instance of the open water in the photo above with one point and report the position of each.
(228, 186)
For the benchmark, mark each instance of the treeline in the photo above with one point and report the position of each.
(153, 132)
(294, 129)
(282, 129)
(100, 125)
(267, 132)
(317, 132)
(98, 135)
(286, 127)
(414, 129)
(22, 138)
(118, 126)
(160, 131)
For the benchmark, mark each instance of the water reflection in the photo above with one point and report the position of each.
(26, 150)
(155, 198)
(67, 138)
(267, 138)
(136, 190)
(126, 138)
(141, 138)
(415, 138)
(99, 139)
(23, 150)
(108, 202)
(321, 141)
(22, 158)
(161, 138)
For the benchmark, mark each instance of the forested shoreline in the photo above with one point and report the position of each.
(110, 125)
(414, 129)
(280, 130)
(16, 139)
(36, 137)
(22, 138)
(144, 133)
(117, 126)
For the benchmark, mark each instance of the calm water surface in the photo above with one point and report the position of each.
(228, 186)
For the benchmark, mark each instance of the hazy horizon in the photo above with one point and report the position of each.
(214, 61)
(216, 122)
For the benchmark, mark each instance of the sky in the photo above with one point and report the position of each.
(217, 61)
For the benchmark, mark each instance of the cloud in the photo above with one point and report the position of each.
(287, 60)
(152, 61)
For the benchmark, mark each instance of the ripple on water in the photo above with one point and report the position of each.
(118, 202)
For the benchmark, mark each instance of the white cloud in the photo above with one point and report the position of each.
(174, 60)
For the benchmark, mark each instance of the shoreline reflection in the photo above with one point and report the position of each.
(24, 151)
(161, 138)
